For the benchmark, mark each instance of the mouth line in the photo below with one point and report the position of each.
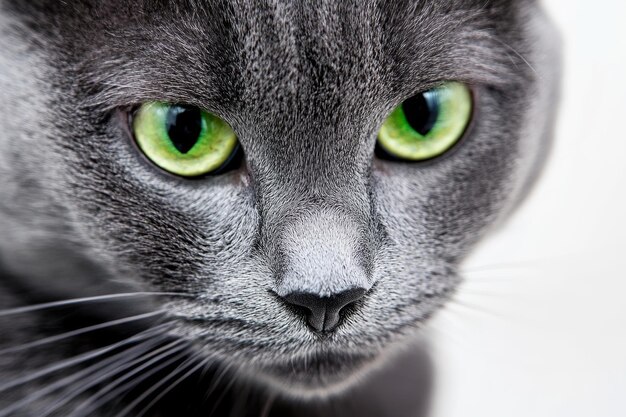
(224, 339)
(260, 334)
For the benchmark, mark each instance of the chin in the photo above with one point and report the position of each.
(317, 375)
(319, 372)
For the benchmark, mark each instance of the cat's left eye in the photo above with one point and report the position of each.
(183, 140)
(427, 124)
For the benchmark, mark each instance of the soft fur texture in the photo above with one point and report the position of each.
(306, 86)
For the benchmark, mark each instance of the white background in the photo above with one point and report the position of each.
(539, 328)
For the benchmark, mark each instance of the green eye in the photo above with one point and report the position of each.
(183, 140)
(427, 124)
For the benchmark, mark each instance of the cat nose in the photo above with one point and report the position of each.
(323, 312)
(323, 267)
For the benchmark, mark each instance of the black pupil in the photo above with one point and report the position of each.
(183, 125)
(422, 111)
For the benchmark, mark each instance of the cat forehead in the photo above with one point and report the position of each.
(215, 53)
(131, 9)
(255, 24)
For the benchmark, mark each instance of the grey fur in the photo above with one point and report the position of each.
(305, 86)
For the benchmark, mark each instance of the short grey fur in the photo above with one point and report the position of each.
(306, 85)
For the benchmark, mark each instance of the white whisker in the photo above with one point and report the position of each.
(265, 412)
(473, 308)
(114, 369)
(171, 387)
(114, 389)
(78, 359)
(70, 379)
(80, 331)
(509, 47)
(221, 397)
(216, 380)
(156, 386)
(74, 301)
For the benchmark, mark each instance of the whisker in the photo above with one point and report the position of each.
(70, 379)
(513, 264)
(156, 386)
(472, 308)
(114, 369)
(241, 403)
(78, 332)
(78, 359)
(74, 301)
(482, 293)
(171, 387)
(443, 327)
(490, 280)
(216, 380)
(88, 406)
(222, 395)
(265, 412)
(519, 55)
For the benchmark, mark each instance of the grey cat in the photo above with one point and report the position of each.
(293, 280)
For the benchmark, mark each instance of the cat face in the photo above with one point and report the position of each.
(313, 256)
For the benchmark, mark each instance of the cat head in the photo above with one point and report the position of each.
(313, 252)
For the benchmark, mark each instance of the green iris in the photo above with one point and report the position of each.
(427, 124)
(183, 140)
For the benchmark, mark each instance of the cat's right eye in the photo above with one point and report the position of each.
(183, 140)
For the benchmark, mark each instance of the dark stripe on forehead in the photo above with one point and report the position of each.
(306, 53)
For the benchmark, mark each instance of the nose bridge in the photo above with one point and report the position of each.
(316, 226)
(311, 182)
(323, 253)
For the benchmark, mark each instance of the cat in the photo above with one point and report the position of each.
(294, 278)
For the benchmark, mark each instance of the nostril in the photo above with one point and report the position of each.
(323, 312)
